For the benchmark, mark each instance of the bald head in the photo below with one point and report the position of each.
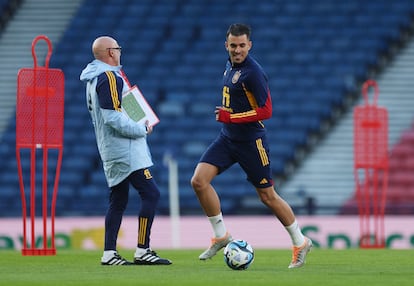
(105, 49)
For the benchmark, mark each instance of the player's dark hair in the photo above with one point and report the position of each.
(239, 30)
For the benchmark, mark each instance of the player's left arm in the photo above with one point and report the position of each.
(109, 89)
(259, 99)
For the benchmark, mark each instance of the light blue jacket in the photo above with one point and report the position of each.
(122, 143)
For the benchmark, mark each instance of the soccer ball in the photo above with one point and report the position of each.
(238, 254)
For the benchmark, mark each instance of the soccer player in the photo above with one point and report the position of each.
(122, 145)
(246, 102)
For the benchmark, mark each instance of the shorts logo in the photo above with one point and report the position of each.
(147, 174)
(236, 77)
(263, 181)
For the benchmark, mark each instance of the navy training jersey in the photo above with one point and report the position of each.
(245, 91)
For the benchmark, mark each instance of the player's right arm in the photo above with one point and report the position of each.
(259, 110)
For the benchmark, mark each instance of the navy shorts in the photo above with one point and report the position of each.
(252, 156)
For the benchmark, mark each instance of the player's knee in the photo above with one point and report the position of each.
(267, 197)
(150, 195)
(156, 196)
(197, 183)
(265, 200)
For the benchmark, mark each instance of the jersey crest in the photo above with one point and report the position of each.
(236, 77)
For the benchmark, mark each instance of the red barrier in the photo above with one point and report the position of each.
(371, 167)
(39, 131)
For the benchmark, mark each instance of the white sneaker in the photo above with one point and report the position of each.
(116, 259)
(150, 257)
(299, 253)
(216, 245)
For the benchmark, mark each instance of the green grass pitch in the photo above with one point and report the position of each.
(324, 267)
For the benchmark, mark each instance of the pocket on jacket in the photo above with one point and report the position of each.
(116, 169)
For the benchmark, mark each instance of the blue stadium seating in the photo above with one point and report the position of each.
(314, 52)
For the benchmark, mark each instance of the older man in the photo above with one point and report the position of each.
(122, 145)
